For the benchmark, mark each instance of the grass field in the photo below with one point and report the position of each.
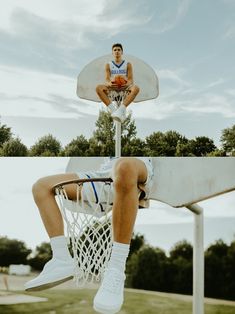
(80, 302)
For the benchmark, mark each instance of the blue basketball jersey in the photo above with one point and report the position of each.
(118, 69)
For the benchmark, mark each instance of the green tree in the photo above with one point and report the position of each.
(146, 269)
(77, 147)
(217, 153)
(103, 136)
(202, 146)
(128, 133)
(135, 147)
(5, 134)
(137, 242)
(14, 147)
(228, 140)
(102, 142)
(215, 270)
(42, 255)
(182, 249)
(13, 251)
(180, 269)
(160, 144)
(95, 148)
(184, 149)
(230, 272)
(46, 146)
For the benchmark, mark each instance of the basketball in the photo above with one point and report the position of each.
(120, 80)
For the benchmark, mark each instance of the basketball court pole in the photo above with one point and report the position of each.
(118, 128)
(198, 260)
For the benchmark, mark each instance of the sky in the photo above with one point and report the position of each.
(44, 46)
(161, 224)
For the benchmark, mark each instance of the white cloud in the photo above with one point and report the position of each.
(38, 94)
(168, 16)
(173, 75)
(230, 92)
(217, 82)
(211, 103)
(72, 24)
(55, 10)
(179, 96)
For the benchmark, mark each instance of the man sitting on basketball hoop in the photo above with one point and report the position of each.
(119, 77)
(132, 180)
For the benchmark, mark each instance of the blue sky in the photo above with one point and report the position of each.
(44, 45)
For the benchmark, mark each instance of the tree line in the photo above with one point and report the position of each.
(101, 143)
(148, 267)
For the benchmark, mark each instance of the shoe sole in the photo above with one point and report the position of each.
(49, 285)
(105, 311)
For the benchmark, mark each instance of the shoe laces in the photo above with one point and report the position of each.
(113, 281)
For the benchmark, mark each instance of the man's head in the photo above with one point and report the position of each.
(117, 51)
(117, 45)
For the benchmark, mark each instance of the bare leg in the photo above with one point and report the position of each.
(61, 267)
(127, 173)
(134, 90)
(102, 92)
(45, 200)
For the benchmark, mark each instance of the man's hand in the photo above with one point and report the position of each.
(112, 84)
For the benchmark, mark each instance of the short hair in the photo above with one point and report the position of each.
(117, 45)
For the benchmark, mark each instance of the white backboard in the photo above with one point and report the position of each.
(179, 181)
(94, 74)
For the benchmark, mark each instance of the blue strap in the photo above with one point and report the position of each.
(96, 195)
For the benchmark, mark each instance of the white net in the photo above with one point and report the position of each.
(88, 222)
(118, 95)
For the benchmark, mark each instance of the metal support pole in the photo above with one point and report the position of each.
(117, 139)
(198, 260)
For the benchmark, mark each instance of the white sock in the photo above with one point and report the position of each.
(111, 106)
(119, 256)
(60, 248)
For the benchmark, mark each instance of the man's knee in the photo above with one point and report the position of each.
(100, 88)
(97, 89)
(41, 188)
(125, 174)
(136, 89)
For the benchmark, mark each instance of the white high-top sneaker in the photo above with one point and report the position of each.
(55, 272)
(110, 296)
(120, 114)
(112, 107)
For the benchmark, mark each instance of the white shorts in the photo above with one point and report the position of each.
(99, 192)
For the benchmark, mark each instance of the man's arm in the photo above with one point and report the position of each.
(108, 81)
(107, 74)
(129, 74)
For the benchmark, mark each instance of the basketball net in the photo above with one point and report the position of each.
(118, 95)
(89, 230)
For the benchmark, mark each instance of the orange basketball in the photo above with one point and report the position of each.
(120, 80)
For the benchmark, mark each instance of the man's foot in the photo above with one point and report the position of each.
(55, 272)
(109, 298)
(120, 114)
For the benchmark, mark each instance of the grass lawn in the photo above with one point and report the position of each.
(80, 301)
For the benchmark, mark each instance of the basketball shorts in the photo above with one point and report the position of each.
(99, 194)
